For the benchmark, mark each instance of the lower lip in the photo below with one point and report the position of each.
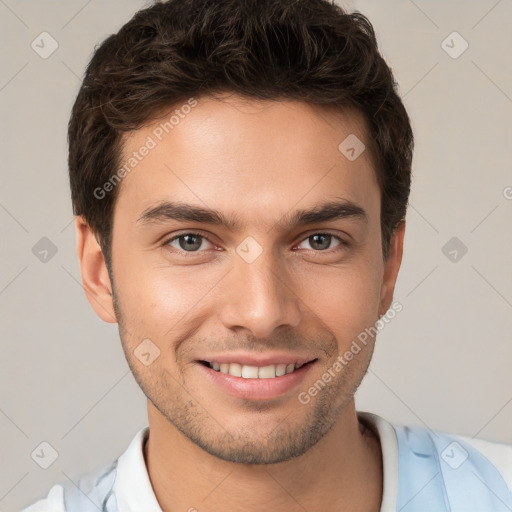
(256, 389)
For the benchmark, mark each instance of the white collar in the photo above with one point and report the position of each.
(389, 449)
(132, 486)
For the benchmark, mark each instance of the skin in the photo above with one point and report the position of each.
(260, 160)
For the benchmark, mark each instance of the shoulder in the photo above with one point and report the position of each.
(53, 502)
(459, 472)
(92, 492)
(499, 454)
(98, 489)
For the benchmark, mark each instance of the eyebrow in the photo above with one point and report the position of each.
(182, 212)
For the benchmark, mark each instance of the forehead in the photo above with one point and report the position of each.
(235, 154)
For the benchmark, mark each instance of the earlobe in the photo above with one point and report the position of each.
(391, 267)
(95, 278)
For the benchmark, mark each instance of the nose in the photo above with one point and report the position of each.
(258, 297)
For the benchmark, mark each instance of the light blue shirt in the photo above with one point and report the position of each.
(424, 471)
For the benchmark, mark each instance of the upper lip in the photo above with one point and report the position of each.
(253, 359)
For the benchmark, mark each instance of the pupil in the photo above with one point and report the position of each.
(190, 245)
(325, 236)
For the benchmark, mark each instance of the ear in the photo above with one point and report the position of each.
(391, 267)
(95, 278)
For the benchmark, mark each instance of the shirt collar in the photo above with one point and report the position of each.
(389, 449)
(132, 487)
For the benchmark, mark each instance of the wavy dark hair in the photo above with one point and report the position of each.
(307, 50)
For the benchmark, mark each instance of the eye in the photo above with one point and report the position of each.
(191, 242)
(321, 241)
(188, 242)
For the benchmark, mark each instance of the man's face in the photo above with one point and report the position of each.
(267, 289)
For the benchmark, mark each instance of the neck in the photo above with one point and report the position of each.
(342, 472)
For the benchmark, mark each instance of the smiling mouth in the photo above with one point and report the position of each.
(270, 371)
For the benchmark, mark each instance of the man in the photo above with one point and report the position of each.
(240, 172)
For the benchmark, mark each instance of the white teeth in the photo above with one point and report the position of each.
(267, 372)
(255, 372)
(280, 370)
(235, 369)
(250, 372)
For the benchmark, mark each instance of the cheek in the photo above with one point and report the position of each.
(158, 300)
(346, 300)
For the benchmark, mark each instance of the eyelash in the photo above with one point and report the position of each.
(343, 244)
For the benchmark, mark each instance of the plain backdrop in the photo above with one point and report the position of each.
(443, 362)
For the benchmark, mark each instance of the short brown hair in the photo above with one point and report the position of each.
(307, 50)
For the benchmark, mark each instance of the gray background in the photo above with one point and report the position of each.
(444, 361)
